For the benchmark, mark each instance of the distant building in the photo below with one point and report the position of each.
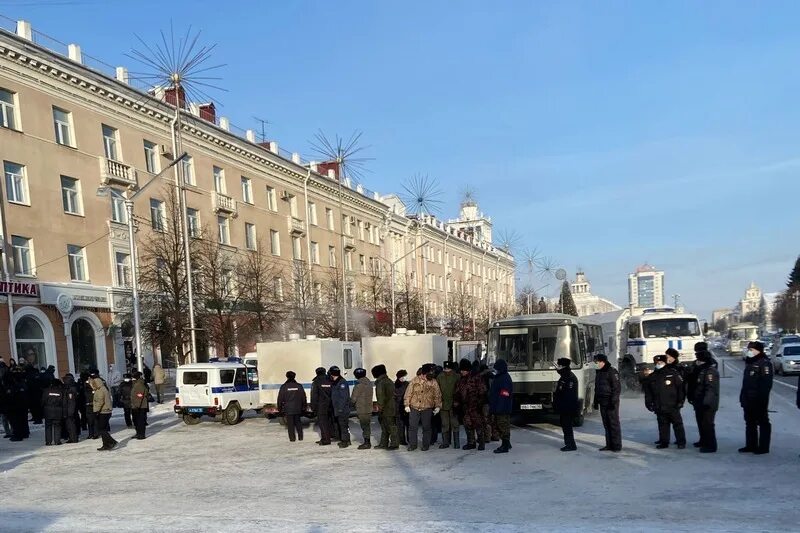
(586, 302)
(646, 287)
(770, 298)
(751, 301)
(719, 314)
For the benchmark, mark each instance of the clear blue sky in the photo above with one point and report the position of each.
(607, 133)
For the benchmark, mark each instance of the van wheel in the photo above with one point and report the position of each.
(191, 420)
(231, 414)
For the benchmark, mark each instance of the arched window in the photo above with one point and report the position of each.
(84, 351)
(30, 341)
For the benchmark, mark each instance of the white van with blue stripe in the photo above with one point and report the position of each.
(221, 390)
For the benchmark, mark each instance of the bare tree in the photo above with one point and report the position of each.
(331, 317)
(256, 273)
(304, 298)
(527, 301)
(461, 308)
(408, 304)
(377, 300)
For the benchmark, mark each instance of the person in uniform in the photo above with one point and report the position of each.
(705, 400)
(754, 398)
(387, 409)
(340, 399)
(292, 403)
(125, 398)
(70, 429)
(140, 404)
(361, 399)
(469, 400)
(321, 405)
(17, 397)
(565, 402)
(422, 400)
(664, 395)
(606, 398)
(88, 398)
(400, 386)
(53, 411)
(501, 403)
(448, 380)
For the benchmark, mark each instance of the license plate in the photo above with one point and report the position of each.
(530, 406)
(196, 410)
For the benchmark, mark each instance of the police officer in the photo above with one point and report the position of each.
(705, 400)
(664, 395)
(340, 399)
(292, 403)
(447, 380)
(321, 405)
(606, 398)
(53, 411)
(754, 398)
(70, 429)
(565, 402)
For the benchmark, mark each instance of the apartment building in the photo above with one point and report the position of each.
(67, 129)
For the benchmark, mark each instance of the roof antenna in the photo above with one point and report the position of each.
(264, 123)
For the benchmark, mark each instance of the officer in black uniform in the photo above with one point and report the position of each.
(606, 398)
(664, 395)
(705, 400)
(53, 411)
(70, 427)
(292, 404)
(754, 398)
(321, 405)
(565, 402)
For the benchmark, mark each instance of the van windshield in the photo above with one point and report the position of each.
(195, 378)
(536, 347)
(671, 327)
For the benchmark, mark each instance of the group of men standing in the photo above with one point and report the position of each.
(456, 394)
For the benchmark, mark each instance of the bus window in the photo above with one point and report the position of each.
(582, 342)
(348, 358)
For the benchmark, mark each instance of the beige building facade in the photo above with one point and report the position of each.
(67, 130)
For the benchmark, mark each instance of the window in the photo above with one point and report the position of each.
(123, 267)
(329, 218)
(247, 190)
(30, 341)
(293, 205)
(151, 157)
(312, 213)
(226, 276)
(634, 331)
(297, 249)
(223, 230)
(362, 263)
(16, 183)
(225, 377)
(274, 242)
(62, 120)
(348, 260)
(360, 230)
(348, 358)
(315, 253)
(193, 222)
(346, 225)
(71, 195)
(250, 236)
(219, 180)
(8, 116)
(110, 142)
(119, 212)
(332, 256)
(317, 296)
(158, 215)
(187, 164)
(371, 233)
(23, 255)
(77, 262)
(277, 289)
(272, 199)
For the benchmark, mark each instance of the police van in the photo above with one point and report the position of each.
(223, 390)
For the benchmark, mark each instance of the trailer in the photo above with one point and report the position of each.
(404, 350)
(303, 357)
(458, 349)
(613, 326)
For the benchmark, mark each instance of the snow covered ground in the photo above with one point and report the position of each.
(250, 478)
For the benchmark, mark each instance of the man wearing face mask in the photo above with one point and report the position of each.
(565, 402)
(664, 395)
(754, 398)
(400, 386)
(606, 398)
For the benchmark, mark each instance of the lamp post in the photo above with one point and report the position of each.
(392, 265)
(129, 199)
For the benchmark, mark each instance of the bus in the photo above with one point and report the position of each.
(739, 336)
(531, 345)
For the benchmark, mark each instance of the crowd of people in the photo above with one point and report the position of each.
(69, 407)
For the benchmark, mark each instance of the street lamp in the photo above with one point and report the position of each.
(392, 270)
(129, 199)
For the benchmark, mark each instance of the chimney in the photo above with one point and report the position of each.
(327, 166)
(175, 97)
(208, 112)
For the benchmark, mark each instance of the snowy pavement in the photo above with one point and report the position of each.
(248, 477)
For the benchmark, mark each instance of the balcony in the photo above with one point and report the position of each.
(114, 172)
(222, 203)
(296, 226)
(349, 243)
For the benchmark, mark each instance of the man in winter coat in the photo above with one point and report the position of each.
(469, 401)
(36, 383)
(565, 402)
(664, 396)
(448, 380)
(17, 408)
(340, 399)
(361, 399)
(400, 387)
(71, 422)
(88, 398)
(53, 409)
(147, 374)
(501, 403)
(606, 398)
(102, 407)
(125, 389)
(140, 404)
(159, 378)
(422, 400)
(321, 405)
(292, 403)
(387, 410)
(754, 398)
(114, 380)
(705, 400)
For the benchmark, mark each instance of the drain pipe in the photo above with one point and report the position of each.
(7, 276)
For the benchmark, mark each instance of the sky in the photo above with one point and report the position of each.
(605, 134)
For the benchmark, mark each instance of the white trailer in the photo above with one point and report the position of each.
(302, 357)
(613, 326)
(407, 351)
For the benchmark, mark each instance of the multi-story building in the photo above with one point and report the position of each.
(646, 287)
(587, 303)
(751, 302)
(67, 129)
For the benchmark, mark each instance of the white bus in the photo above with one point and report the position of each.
(531, 344)
(739, 336)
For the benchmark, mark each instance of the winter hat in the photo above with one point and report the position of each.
(464, 365)
(704, 356)
(600, 357)
(449, 365)
(756, 345)
(290, 375)
(126, 376)
(401, 373)
(320, 371)
(360, 373)
(563, 361)
(137, 375)
(334, 371)
(672, 352)
(701, 347)
(660, 359)
(378, 371)
(427, 368)
(94, 373)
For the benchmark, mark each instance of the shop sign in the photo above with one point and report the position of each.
(19, 288)
(75, 296)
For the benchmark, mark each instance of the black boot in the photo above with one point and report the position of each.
(456, 440)
(481, 442)
(470, 445)
(445, 440)
(366, 446)
(764, 439)
(503, 447)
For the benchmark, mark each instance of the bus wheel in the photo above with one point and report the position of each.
(191, 420)
(230, 416)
